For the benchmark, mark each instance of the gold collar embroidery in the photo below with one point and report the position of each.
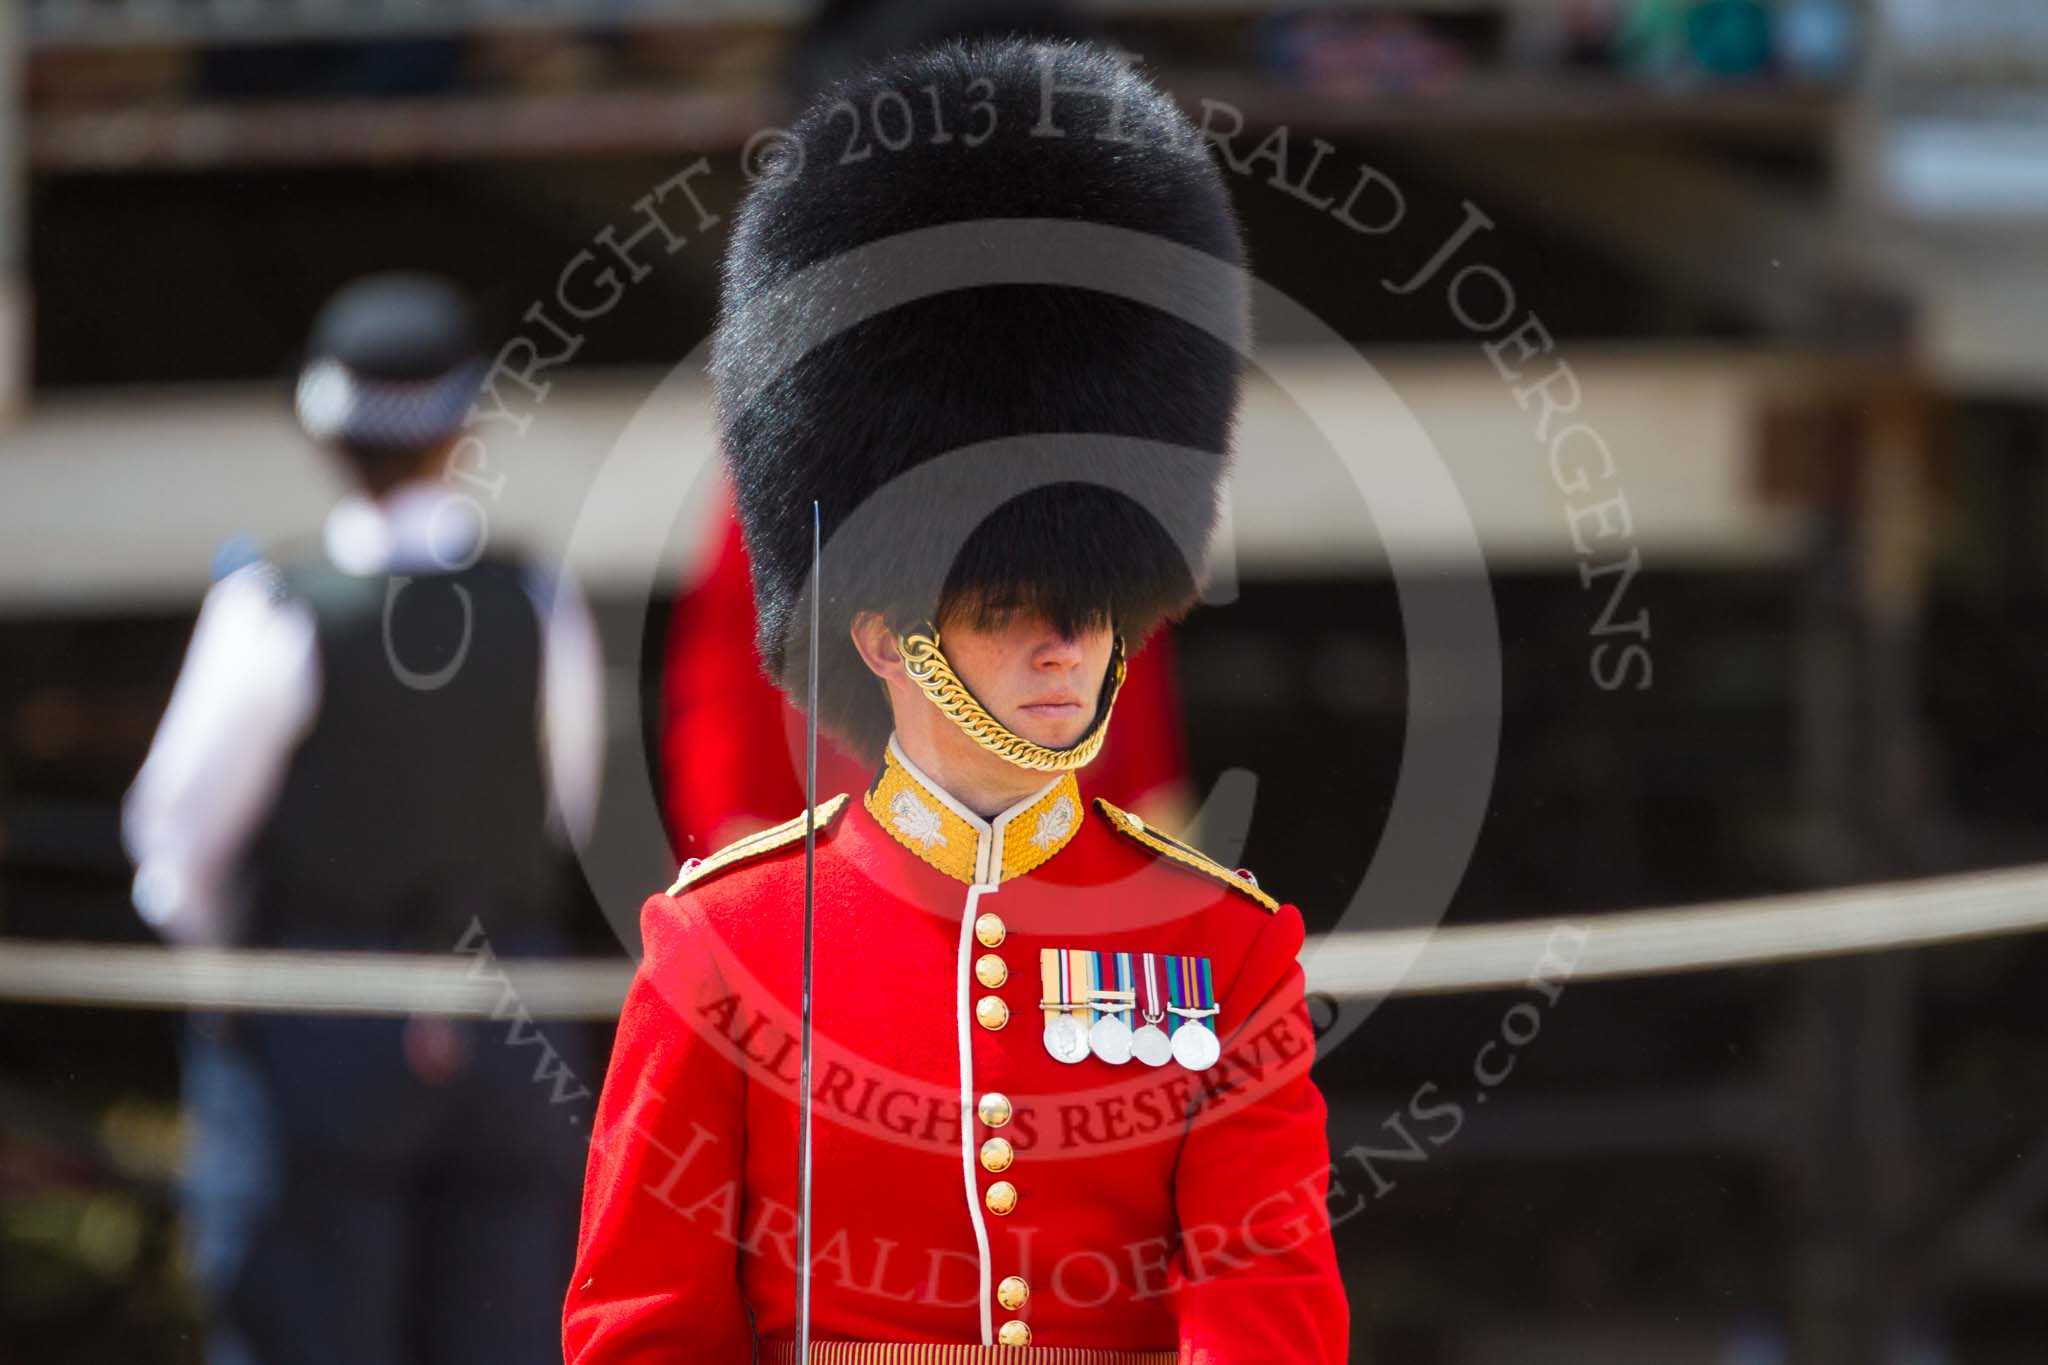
(921, 816)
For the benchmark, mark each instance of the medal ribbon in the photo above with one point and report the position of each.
(1066, 976)
(1205, 993)
(1189, 986)
(1072, 976)
(1149, 1003)
(1112, 972)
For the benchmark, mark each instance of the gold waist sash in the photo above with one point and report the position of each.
(946, 1353)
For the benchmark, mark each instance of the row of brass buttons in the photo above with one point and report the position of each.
(991, 971)
(994, 1110)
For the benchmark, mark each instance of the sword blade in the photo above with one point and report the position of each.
(803, 1216)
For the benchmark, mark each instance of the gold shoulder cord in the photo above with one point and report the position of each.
(756, 845)
(1186, 855)
(927, 667)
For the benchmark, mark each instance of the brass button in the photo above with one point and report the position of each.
(1001, 1197)
(1012, 1292)
(994, 1109)
(988, 927)
(991, 1013)
(997, 1154)
(990, 970)
(1015, 1332)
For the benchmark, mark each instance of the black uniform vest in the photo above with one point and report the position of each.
(417, 799)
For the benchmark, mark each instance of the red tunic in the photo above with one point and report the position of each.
(732, 745)
(1125, 1207)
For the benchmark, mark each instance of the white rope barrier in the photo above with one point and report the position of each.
(1721, 934)
(298, 982)
(1404, 962)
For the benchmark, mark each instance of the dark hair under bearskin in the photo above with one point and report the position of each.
(932, 377)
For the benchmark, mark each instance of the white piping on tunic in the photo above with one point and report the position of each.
(969, 1112)
(988, 875)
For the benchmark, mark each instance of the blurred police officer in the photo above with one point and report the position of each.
(382, 738)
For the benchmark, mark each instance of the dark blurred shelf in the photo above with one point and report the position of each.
(1524, 101)
(393, 132)
(624, 122)
(75, 24)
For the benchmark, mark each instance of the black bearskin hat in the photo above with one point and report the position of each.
(986, 303)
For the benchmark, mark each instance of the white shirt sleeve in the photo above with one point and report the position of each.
(571, 701)
(247, 693)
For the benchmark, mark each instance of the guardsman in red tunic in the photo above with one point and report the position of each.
(1060, 1082)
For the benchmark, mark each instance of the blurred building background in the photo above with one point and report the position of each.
(1793, 256)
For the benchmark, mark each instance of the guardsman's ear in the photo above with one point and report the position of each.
(877, 644)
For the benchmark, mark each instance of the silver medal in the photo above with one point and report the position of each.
(1110, 1039)
(1066, 1038)
(1194, 1046)
(1149, 1045)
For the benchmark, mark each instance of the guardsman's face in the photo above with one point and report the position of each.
(1038, 683)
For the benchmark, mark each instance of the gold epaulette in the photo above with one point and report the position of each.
(739, 851)
(1194, 859)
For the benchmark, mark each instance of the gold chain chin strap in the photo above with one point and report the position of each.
(927, 667)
